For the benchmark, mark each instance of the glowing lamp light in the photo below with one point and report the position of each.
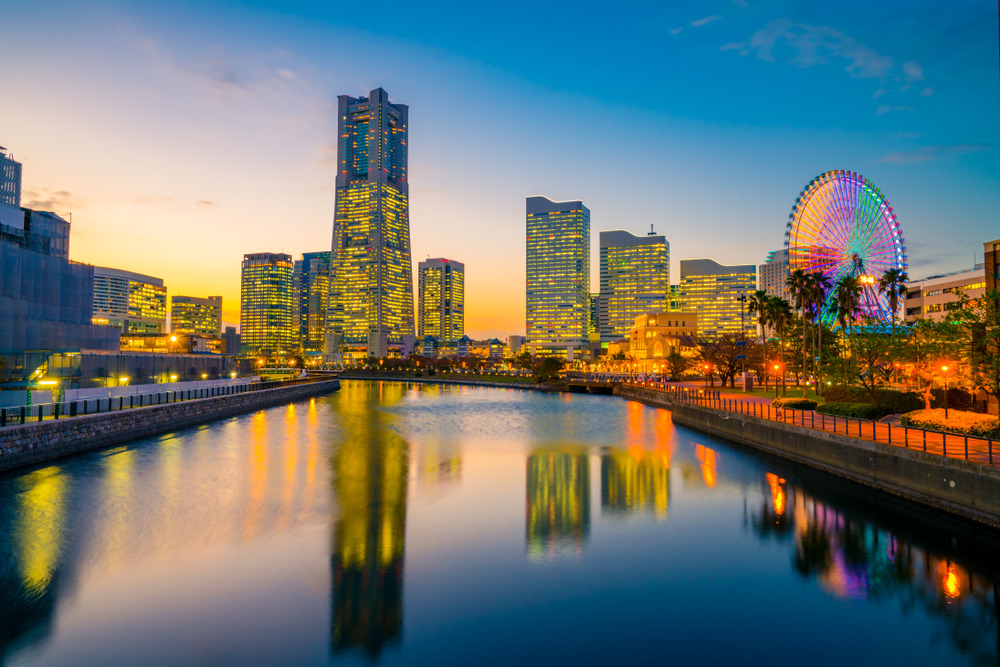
(173, 377)
(47, 382)
(123, 379)
(173, 339)
(204, 375)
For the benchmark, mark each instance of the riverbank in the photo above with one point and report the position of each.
(42, 441)
(965, 488)
(509, 383)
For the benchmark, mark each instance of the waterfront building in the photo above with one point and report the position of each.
(267, 304)
(773, 275)
(933, 297)
(712, 291)
(230, 341)
(371, 280)
(991, 265)
(194, 315)
(171, 343)
(441, 301)
(655, 336)
(558, 276)
(311, 287)
(46, 300)
(130, 301)
(635, 279)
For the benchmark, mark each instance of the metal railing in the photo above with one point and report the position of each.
(27, 414)
(950, 445)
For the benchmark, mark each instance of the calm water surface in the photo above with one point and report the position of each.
(415, 524)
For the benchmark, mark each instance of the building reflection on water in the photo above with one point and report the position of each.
(370, 473)
(854, 559)
(636, 480)
(557, 505)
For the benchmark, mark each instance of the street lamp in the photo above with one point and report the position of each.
(947, 368)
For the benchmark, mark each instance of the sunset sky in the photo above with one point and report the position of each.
(181, 135)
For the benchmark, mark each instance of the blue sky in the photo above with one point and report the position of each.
(182, 135)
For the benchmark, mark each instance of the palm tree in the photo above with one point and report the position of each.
(758, 305)
(819, 292)
(893, 284)
(847, 295)
(799, 285)
(779, 313)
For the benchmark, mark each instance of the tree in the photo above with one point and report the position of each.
(847, 299)
(780, 313)
(818, 294)
(758, 306)
(547, 369)
(893, 285)
(678, 364)
(522, 361)
(873, 351)
(978, 336)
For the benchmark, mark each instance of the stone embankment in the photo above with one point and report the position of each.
(965, 488)
(472, 383)
(32, 443)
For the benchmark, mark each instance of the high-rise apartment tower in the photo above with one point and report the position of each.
(635, 279)
(773, 275)
(267, 304)
(441, 304)
(371, 281)
(712, 291)
(558, 276)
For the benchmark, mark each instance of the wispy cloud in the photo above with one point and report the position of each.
(204, 203)
(815, 45)
(929, 153)
(59, 201)
(675, 31)
(705, 21)
(883, 109)
(927, 92)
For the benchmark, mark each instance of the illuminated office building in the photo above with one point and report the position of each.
(311, 286)
(441, 302)
(558, 276)
(593, 323)
(635, 279)
(712, 290)
(131, 301)
(371, 280)
(267, 304)
(773, 275)
(194, 315)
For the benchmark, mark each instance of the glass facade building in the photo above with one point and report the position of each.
(441, 300)
(635, 279)
(371, 274)
(10, 180)
(267, 304)
(129, 301)
(712, 290)
(558, 276)
(311, 285)
(194, 315)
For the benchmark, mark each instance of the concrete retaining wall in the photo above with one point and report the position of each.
(31, 443)
(966, 488)
(472, 383)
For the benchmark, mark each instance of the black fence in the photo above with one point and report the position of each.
(88, 406)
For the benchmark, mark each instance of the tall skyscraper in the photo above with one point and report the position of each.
(371, 282)
(712, 290)
(194, 315)
(267, 304)
(635, 279)
(773, 275)
(441, 304)
(312, 292)
(134, 302)
(558, 276)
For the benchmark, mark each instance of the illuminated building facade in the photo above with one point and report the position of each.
(558, 503)
(991, 265)
(558, 276)
(194, 315)
(10, 180)
(934, 297)
(712, 290)
(371, 281)
(773, 275)
(441, 301)
(635, 279)
(267, 304)
(311, 286)
(131, 301)
(655, 336)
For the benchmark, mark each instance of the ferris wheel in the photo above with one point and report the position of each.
(841, 225)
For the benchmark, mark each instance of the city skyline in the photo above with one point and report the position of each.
(914, 115)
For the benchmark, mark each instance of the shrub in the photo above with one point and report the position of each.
(899, 401)
(963, 423)
(430, 371)
(794, 403)
(418, 374)
(855, 410)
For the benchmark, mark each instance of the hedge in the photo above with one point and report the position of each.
(856, 410)
(899, 401)
(962, 423)
(795, 403)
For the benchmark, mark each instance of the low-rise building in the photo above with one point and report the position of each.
(934, 296)
(655, 336)
(130, 301)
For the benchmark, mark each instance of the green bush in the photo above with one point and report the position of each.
(794, 403)
(430, 372)
(958, 421)
(899, 401)
(855, 410)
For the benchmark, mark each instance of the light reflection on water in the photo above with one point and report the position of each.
(420, 524)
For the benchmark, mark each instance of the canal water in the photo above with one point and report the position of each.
(430, 525)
